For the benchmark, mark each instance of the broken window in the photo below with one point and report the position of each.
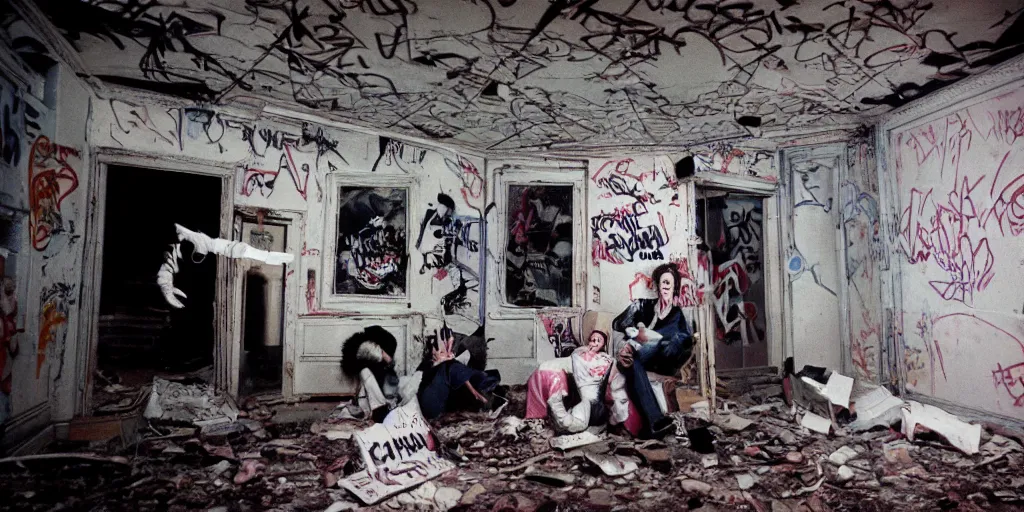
(539, 248)
(372, 255)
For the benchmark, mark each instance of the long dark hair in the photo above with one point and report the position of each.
(671, 269)
(350, 363)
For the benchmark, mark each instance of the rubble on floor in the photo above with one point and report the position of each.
(752, 454)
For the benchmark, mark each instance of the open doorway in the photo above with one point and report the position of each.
(731, 226)
(140, 334)
(262, 311)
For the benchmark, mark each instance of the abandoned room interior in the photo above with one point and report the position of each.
(511, 255)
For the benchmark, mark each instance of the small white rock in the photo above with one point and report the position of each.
(845, 473)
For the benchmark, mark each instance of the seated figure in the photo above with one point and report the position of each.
(658, 340)
(450, 385)
(369, 356)
(590, 367)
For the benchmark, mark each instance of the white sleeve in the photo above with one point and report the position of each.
(370, 351)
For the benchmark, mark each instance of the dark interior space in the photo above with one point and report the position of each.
(140, 335)
(261, 372)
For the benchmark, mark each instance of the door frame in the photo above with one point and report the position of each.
(786, 157)
(229, 372)
(771, 245)
(92, 263)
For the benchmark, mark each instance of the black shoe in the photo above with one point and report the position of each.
(380, 413)
(663, 427)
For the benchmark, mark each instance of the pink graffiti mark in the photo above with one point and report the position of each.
(861, 345)
(622, 167)
(942, 232)
(1010, 377)
(309, 252)
(51, 179)
(599, 252)
(691, 294)
(258, 179)
(640, 278)
(441, 273)
(301, 183)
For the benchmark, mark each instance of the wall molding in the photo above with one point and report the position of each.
(1001, 75)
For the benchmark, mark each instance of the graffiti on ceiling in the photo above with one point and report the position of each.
(525, 74)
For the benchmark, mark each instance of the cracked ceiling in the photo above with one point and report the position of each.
(529, 74)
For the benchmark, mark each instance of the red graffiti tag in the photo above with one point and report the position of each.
(51, 179)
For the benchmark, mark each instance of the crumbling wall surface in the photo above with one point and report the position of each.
(958, 215)
(43, 190)
(864, 255)
(390, 229)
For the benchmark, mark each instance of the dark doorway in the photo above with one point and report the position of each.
(731, 226)
(140, 334)
(263, 312)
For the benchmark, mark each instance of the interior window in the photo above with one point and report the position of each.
(538, 255)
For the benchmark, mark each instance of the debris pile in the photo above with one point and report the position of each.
(755, 452)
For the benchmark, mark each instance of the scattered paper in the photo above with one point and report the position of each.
(962, 435)
(612, 465)
(876, 407)
(574, 440)
(732, 422)
(838, 389)
(399, 454)
(816, 423)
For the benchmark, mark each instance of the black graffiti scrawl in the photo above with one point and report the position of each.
(513, 74)
(371, 257)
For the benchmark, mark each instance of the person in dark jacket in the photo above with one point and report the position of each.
(659, 340)
(449, 385)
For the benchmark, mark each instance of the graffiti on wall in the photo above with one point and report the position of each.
(371, 243)
(260, 181)
(55, 304)
(530, 73)
(958, 229)
(952, 228)
(12, 124)
(562, 333)
(9, 346)
(301, 155)
(51, 179)
(732, 230)
(538, 254)
(448, 244)
(632, 225)
(723, 157)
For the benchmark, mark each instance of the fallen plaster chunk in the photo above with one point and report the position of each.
(199, 404)
(548, 478)
(612, 465)
(845, 473)
(745, 481)
(962, 435)
(816, 423)
(574, 440)
(731, 422)
(843, 455)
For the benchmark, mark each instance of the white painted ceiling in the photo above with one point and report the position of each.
(527, 74)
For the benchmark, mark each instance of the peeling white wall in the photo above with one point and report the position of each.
(294, 166)
(45, 182)
(953, 167)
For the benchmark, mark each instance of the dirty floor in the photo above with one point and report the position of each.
(290, 456)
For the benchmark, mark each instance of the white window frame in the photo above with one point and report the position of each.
(330, 300)
(537, 175)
